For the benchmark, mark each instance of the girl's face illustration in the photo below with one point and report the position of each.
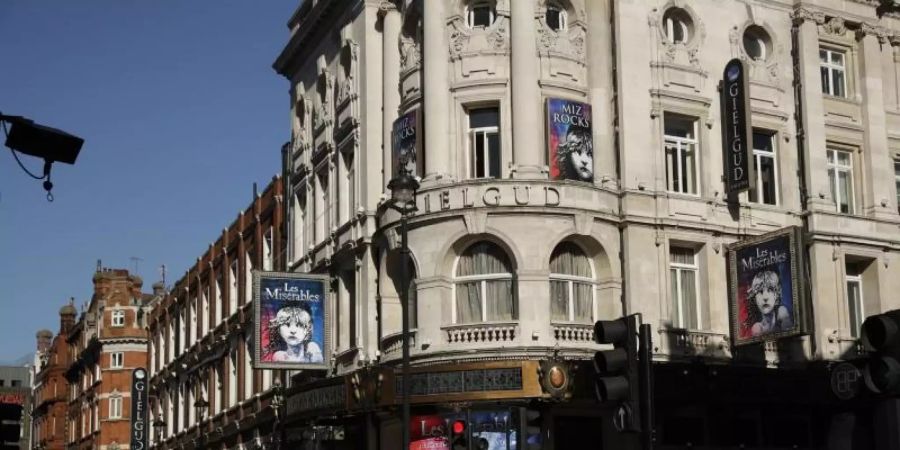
(765, 300)
(293, 333)
(581, 158)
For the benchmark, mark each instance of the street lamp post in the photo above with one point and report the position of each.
(158, 426)
(403, 199)
(201, 404)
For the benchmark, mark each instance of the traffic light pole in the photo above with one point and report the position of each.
(645, 372)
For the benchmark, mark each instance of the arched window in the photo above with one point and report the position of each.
(480, 13)
(484, 285)
(571, 284)
(556, 17)
(678, 26)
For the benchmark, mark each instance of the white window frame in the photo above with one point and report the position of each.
(482, 288)
(838, 168)
(679, 145)
(570, 303)
(758, 155)
(117, 360)
(831, 68)
(115, 407)
(118, 318)
(563, 17)
(268, 254)
(679, 301)
(860, 308)
(483, 133)
(476, 4)
(669, 27)
(234, 272)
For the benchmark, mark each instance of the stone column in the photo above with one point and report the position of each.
(601, 82)
(813, 118)
(526, 96)
(436, 93)
(390, 82)
(878, 195)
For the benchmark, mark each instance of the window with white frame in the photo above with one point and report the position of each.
(321, 204)
(571, 284)
(855, 306)
(204, 318)
(677, 25)
(556, 17)
(299, 225)
(484, 285)
(833, 66)
(233, 286)
(248, 277)
(480, 13)
(220, 300)
(897, 182)
(115, 407)
(840, 179)
(117, 360)
(248, 368)
(484, 143)
(684, 274)
(682, 148)
(118, 318)
(764, 163)
(268, 252)
(757, 42)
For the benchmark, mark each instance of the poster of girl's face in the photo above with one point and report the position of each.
(570, 140)
(406, 144)
(290, 320)
(765, 291)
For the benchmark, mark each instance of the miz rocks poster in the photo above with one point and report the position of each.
(406, 145)
(570, 140)
(290, 320)
(766, 289)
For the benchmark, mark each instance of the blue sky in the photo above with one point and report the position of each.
(181, 113)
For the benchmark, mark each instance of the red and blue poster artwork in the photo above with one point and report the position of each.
(290, 320)
(570, 140)
(766, 292)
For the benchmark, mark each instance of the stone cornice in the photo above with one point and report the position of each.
(837, 25)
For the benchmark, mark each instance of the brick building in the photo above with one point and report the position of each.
(107, 342)
(204, 391)
(49, 393)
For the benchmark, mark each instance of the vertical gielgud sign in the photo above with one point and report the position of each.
(570, 141)
(291, 320)
(406, 145)
(139, 423)
(766, 286)
(736, 129)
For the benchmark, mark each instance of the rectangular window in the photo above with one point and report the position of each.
(115, 407)
(118, 318)
(684, 272)
(299, 226)
(484, 143)
(833, 65)
(268, 253)
(682, 148)
(766, 191)
(840, 179)
(233, 286)
(321, 202)
(116, 360)
(855, 305)
(16, 383)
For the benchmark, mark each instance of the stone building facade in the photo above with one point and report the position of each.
(50, 404)
(204, 391)
(511, 267)
(108, 341)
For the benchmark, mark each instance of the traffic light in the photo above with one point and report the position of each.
(458, 438)
(881, 336)
(618, 370)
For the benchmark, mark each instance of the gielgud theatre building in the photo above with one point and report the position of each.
(570, 159)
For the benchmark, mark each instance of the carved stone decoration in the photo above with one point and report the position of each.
(324, 111)
(685, 54)
(836, 26)
(458, 37)
(802, 14)
(410, 53)
(348, 85)
(867, 29)
(498, 37)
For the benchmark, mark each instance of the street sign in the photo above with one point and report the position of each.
(736, 129)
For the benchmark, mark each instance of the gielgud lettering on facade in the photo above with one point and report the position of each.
(139, 409)
(469, 197)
